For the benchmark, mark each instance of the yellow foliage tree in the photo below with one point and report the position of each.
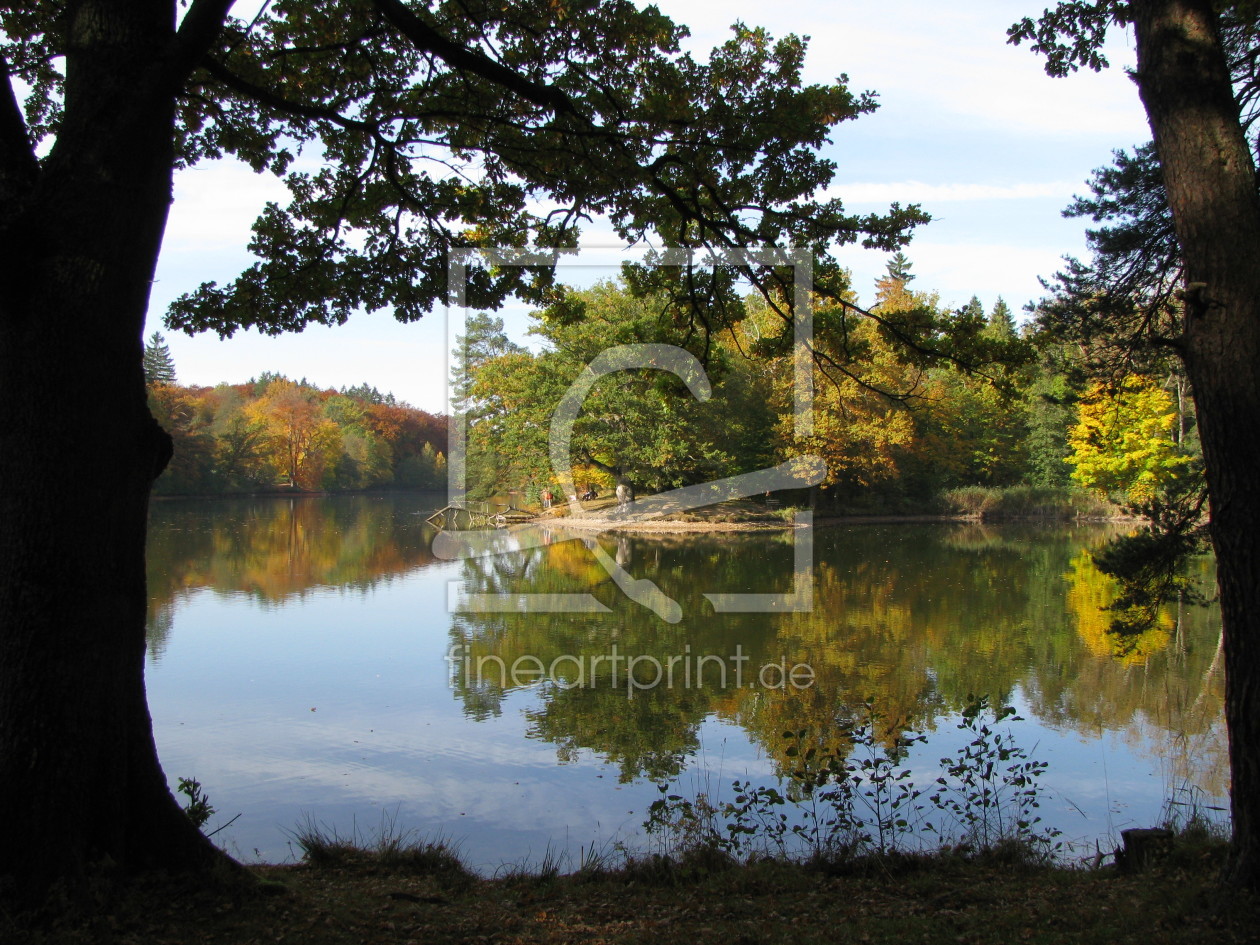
(1123, 445)
(861, 425)
(300, 439)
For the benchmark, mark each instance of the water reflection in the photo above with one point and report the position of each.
(276, 549)
(913, 618)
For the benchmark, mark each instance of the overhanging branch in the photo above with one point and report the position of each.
(427, 39)
(278, 102)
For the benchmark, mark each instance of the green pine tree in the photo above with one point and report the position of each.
(159, 366)
(973, 309)
(1001, 321)
(899, 268)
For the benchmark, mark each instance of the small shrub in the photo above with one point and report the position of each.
(594, 862)
(699, 862)
(322, 846)
(841, 803)
(853, 803)
(544, 871)
(971, 500)
(678, 824)
(755, 822)
(990, 786)
(652, 869)
(858, 799)
(1201, 829)
(438, 857)
(198, 808)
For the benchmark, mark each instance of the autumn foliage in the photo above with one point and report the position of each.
(900, 430)
(275, 433)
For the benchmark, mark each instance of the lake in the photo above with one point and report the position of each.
(312, 659)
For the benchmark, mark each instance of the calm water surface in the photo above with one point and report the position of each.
(305, 663)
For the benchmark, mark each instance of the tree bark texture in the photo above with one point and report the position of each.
(80, 781)
(1210, 179)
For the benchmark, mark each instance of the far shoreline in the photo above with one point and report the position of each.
(721, 518)
(670, 526)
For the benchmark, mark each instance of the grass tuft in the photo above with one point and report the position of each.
(387, 850)
(545, 871)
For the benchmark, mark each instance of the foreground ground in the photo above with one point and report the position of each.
(947, 902)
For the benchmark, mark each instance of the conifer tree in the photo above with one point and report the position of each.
(899, 268)
(159, 366)
(973, 309)
(1001, 322)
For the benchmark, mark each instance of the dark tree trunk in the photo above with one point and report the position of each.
(1210, 178)
(80, 782)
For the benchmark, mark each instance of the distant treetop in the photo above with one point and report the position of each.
(159, 366)
(368, 394)
(899, 268)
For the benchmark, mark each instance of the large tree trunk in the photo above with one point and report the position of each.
(80, 782)
(1210, 178)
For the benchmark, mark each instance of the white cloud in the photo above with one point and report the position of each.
(935, 62)
(915, 191)
(215, 205)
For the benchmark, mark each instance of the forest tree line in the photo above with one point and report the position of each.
(274, 433)
(902, 435)
(898, 431)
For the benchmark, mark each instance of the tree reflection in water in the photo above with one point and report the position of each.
(913, 618)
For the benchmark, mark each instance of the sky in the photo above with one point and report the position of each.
(968, 126)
